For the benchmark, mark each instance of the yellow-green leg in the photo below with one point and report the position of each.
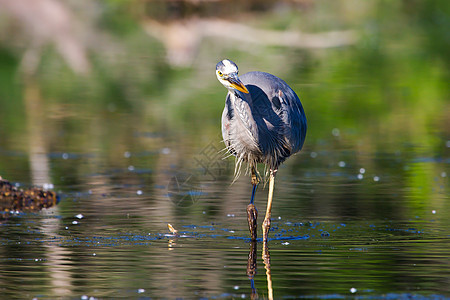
(266, 223)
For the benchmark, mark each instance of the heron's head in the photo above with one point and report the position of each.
(227, 73)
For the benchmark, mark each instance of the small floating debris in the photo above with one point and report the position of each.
(353, 290)
(79, 216)
(172, 229)
(285, 243)
(140, 291)
(433, 212)
(13, 199)
(376, 178)
(342, 164)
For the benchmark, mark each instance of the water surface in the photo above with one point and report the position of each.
(334, 233)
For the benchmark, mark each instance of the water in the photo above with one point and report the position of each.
(333, 234)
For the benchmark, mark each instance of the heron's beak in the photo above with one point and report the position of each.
(237, 84)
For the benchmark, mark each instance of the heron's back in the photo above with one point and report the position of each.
(278, 116)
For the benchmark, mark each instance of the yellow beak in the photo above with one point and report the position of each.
(237, 84)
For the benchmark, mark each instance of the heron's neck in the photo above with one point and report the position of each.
(246, 99)
(243, 106)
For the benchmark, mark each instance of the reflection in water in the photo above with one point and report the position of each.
(56, 257)
(174, 233)
(37, 139)
(252, 267)
(266, 259)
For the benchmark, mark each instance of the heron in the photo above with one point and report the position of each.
(263, 122)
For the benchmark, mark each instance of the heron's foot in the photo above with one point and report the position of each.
(266, 227)
(252, 216)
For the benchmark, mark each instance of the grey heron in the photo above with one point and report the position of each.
(263, 122)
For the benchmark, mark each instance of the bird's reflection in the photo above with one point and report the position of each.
(252, 267)
(266, 259)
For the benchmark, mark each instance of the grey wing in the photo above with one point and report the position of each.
(279, 114)
(294, 116)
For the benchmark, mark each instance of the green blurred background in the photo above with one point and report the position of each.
(88, 76)
(83, 76)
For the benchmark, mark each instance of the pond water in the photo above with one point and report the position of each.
(341, 228)
(133, 145)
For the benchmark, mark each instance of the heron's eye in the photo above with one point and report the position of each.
(220, 73)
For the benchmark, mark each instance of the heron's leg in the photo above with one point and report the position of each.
(266, 223)
(252, 213)
(255, 181)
